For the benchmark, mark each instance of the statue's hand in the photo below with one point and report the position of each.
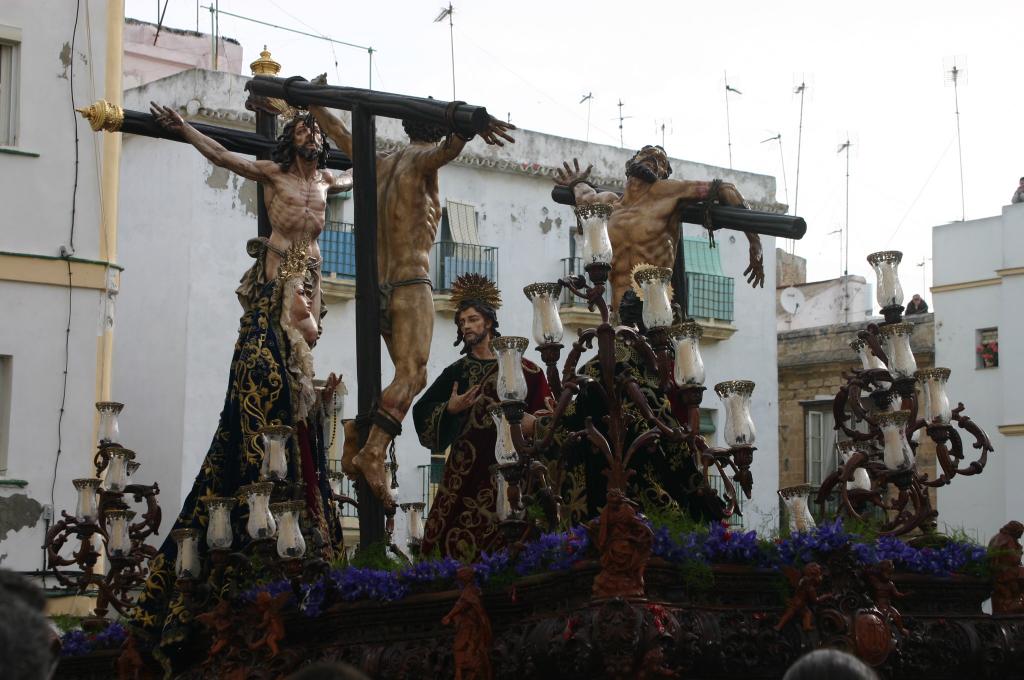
(495, 129)
(168, 118)
(567, 176)
(755, 270)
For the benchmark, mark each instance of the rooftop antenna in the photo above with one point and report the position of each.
(845, 146)
(840, 232)
(620, 119)
(446, 13)
(956, 75)
(782, 160)
(923, 264)
(660, 125)
(589, 99)
(800, 90)
(728, 123)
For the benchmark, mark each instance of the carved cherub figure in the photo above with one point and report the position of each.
(270, 621)
(884, 591)
(473, 636)
(218, 622)
(804, 597)
(624, 543)
(1007, 572)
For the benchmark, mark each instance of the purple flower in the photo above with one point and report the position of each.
(78, 642)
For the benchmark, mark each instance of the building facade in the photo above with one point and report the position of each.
(979, 335)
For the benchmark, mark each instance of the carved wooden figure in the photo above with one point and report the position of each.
(1007, 572)
(804, 597)
(624, 543)
(270, 621)
(884, 591)
(473, 636)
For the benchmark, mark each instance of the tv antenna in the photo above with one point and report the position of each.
(660, 126)
(845, 146)
(957, 75)
(447, 13)
(589, 99)
(728, 123)
(840, 232)
(782, 160)
(800, 89)
(620, 119)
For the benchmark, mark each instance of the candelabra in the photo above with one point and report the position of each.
(103, 515)
(879, 410)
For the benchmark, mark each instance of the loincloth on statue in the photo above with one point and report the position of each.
(255, 277)
(386, 290)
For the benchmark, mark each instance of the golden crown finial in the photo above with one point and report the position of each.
(265, 66)
(102, 115)
(475, 287)
(295, 261)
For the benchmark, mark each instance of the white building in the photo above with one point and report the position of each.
(185, 223)
(54, 307)
(978, 287)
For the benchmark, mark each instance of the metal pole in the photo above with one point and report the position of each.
(364, 160)
(451, 37)
(369, 80)
(959, 150)
(799, 142)
(728, 124)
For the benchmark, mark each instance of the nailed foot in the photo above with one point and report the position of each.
(350, 449)
(370, 462)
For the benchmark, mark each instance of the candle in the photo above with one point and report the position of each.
(889, 291)
(896, 452)
(275, 451)
(261, 523)
(936, 403)
(186, 564)
(290, 542)
(547, 324)
(87, 509)
(597, 247)
(119, 542)
(689, 366)
(896, 341)
(860, 480)
(504, 448)
(511, 382)
(867, 358)
(218, 531)
(795, 500)
(502, 507)
(739, 426)
(116, 477)
(654, 283)
(108, 429)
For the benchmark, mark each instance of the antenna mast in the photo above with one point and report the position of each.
(621, 118)
(588, 98)
(728, 122)
(845, 146)
(448, 12)
(799, 89)
(955, 75)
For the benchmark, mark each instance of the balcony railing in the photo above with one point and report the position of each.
(709, 296)
(716, 483)
(431, 478)
(348, 488)
(338, 248)
(450, 260)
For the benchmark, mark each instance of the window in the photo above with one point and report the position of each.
(986, 350)
(10, 41)
(5, 411)
(820, 443)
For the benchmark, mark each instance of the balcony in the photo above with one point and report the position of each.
(449, 260)
(338, 250)
(430, 478)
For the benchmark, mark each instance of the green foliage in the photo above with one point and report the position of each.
(374, 556)
(675, 521)
(66, 622)
(697, 576)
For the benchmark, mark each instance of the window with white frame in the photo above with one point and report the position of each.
(819, 442)
(10, 42)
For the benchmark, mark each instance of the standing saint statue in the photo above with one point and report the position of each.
(644, 224)
(271, 377)
(409, 209)
(454, 413)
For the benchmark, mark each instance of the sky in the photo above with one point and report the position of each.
(876, 74)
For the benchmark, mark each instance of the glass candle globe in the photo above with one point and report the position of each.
(688, 365)
(655, 284)
(739, 426)
(547, 324)
(503, 509)
(186, 564)
(597, 247)
(414, 523)
(87, 508)
(337, 481)
(504, 448)
(261, 524)
(116, 476)
(275, 451)
(119, 542)
(868, 360)
(897, 452)
(896, 342)
(290, 543)
(861, 480)
(888, 292)
(218, 531)
(511, 383)
(108, 430)
(795, 500)
(936, 403)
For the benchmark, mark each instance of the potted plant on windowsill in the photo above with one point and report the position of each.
(989, 354)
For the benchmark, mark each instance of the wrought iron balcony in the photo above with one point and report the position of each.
(450, 260)
(338, 249)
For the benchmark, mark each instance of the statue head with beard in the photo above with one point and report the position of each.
(301, 137)
(649, 164)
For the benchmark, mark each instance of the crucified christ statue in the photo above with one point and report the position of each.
(295, 185)
(644, 224)
(408, 209)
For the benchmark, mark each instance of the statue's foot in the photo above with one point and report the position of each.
(370, 463)
(350, 449)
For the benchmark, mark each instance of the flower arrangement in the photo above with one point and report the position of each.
(77, 642)
(989, 353)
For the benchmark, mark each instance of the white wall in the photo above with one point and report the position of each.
(36, 200)
(194, 223)
(983, 251)
(825, 303)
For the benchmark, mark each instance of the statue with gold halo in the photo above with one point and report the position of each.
(408, 209)
(644, 223)
(454, 414)
(270, 384)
